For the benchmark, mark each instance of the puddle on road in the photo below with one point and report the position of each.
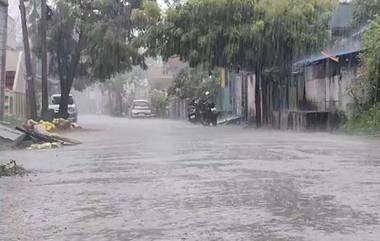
(284, 199)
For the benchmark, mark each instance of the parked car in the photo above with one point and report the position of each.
(140, 108)
(72, 108)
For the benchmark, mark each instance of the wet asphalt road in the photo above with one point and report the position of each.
(167, 180)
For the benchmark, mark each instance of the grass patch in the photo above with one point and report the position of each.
(364, 121)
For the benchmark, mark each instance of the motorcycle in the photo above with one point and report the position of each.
(193, 111)
(203, 111)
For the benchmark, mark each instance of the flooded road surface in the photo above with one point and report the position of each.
(166, 180)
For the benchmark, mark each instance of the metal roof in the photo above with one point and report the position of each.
(319, 57)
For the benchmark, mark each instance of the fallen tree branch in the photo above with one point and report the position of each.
(51, 138)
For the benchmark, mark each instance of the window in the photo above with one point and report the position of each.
(319, 70)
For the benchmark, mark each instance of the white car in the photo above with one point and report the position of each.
(72, 108)
(140, 108)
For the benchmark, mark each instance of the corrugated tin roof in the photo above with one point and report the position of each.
(311, 60)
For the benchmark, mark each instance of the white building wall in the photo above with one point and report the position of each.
(3, 39)
(11, 35)
(251, 97)
(331, 93)
(238, 95)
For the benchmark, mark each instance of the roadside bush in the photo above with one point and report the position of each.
(159, 102)
(365, 121)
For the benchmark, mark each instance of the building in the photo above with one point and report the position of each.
(16, 83)
(3, 40)
(15, 74)
(321, 85)
(12, 70)
(237, 95)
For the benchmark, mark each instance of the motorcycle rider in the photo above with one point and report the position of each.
(203, 111)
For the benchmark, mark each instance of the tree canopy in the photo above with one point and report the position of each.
(194, 82)
(365, 10)
(244, 33)
(98, 38)
(370, 58)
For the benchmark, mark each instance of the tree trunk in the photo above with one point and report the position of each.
(64, 104)
(67, 72)
(119, 100)
(110, 106)
(377, 91)
(31, 106)
(2, 61)
(259, 97)
(44, 77)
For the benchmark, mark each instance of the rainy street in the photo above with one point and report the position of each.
(170, 180)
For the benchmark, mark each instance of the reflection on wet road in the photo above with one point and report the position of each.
(166, 180)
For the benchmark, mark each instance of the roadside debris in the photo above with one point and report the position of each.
(35, 135)
(9, 136)
(43, 146)
(39, 135)
(12, 169)
(231, 120)
(55, 125)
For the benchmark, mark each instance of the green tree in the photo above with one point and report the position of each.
(97, 39)
(259, 36)
(159, 102)
(193, 83)
(370, 60)
(67, 35)
(115, 87)
(365, 10)
(244, 33)
(120, 89)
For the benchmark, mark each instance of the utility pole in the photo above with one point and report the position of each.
(3, 44)
(44, 77)
(31, 106)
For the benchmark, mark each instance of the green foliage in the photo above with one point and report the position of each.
(366, 117)
(159, 102)
(146, 16)
(114, 39)
(364, 121)
(365, 10)
(244, 33)
(370, 71)
(117, 82)
(66, 37)
(97, 39)
(110, 35)
(122, 81)
(193, 83)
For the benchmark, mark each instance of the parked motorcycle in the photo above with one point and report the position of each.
(193, 111)
(203, 111)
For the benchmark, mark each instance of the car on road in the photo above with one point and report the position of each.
(72, 108)
(140, 108)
